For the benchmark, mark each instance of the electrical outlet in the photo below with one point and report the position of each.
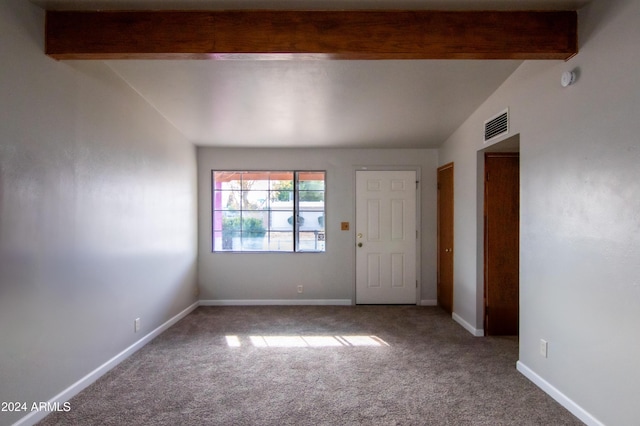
(299, 289)
(136, 325)
(544, 348)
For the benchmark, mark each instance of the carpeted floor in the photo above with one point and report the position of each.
(317, 365)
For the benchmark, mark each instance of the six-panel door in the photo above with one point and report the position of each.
(386, 237)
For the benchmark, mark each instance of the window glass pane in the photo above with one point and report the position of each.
(253, 243)
(281, 196)
(281, 220)
(221, 219)
(311, 241)
(231, 221)
(256, 182)
(311, 180)
(255, 200)
(311, 220)
(312, 196)
(254, 224)
(226, 240)
(311, 211)
(217, 241)
(227, 180)
(227, 200)
(282, 191)
(280, 241)
(282, 180)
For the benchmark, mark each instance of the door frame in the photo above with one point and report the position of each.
(378, 168)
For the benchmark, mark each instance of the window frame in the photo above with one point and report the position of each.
(297, 210)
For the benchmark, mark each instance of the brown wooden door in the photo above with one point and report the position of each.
(502, 240)
(445, 237)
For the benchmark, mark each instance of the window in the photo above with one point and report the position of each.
(268, 211)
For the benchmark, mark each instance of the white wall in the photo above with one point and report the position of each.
(580, 216)
(325, 276)
(97, 215)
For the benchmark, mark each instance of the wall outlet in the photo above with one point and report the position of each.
(544, 348)
(136, 325)
(300, 289)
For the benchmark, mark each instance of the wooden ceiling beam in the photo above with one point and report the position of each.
(311, 34)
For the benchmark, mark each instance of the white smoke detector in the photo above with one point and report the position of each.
(568, 78)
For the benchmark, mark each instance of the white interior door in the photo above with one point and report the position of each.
(386, 237)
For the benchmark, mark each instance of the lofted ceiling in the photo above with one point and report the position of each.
(315, 103)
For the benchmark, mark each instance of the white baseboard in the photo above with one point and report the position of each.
(471, 329)
(554, 393)
(428, 302)
(275, 302)
(77, 387)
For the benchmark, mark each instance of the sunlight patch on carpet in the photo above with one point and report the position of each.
(297, 341)
(233, 341)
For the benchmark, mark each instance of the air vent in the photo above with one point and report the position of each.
(496, 126)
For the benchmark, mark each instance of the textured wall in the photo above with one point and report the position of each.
(580, 204)
(97, 215)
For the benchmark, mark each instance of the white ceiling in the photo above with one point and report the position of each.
(315, 103)
(312, 103)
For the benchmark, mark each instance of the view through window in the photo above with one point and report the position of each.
(273, 211)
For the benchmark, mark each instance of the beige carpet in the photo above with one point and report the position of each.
(323, 365)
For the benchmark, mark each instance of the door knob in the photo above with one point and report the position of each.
(360, 235)
(359, 244)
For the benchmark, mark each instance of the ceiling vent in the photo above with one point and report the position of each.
(496, 126)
